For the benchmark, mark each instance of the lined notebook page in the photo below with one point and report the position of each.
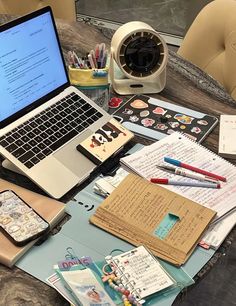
(178, 146)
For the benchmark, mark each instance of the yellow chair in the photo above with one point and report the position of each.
(210, 43)
(64, 9)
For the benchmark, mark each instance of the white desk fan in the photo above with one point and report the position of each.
(141, 55)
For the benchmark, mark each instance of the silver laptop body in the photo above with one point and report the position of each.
(33, 78)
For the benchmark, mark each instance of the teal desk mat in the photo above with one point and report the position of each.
(88, 240)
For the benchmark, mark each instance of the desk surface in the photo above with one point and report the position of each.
(188, 86)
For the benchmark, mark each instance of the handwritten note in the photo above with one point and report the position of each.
(136, 208)
(145, 161)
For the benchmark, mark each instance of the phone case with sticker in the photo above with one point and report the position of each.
(18, 221)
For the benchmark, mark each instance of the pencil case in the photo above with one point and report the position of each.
(88, 77)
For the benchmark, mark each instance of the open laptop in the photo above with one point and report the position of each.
(42, 117)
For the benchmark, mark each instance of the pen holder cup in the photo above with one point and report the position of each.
(88, 77)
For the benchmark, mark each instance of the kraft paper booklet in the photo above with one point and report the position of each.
(143, 213)
(50, 209)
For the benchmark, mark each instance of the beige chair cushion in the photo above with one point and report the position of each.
(210, 43)
(64, 9)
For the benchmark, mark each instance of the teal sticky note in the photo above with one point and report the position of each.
(166, 225)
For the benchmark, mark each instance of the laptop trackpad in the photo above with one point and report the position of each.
(72, 159)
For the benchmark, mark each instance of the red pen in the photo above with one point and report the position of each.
(166, 181)
(189, 167)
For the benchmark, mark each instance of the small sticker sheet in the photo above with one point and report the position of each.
(155, 118)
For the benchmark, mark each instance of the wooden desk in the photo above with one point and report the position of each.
(187, 86)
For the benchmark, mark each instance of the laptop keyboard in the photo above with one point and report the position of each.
(40, 136)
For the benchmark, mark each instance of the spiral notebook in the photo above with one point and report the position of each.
(180, 147)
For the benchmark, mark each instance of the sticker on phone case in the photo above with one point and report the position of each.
(159, 111)
(139, 104)
(15, 215)
(5, 220)
(13, 228)
(147, 122)
(183, 118)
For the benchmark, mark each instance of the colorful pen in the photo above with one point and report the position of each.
(186, 173)
(189, 167)
(97, 52)
(104, 59)
(184, 183)
(92, 53)
(91, 62)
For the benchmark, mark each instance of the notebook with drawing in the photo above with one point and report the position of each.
(42, 117)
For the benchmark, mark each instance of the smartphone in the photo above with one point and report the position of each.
(18, 221)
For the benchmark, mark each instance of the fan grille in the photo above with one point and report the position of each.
(141, 54)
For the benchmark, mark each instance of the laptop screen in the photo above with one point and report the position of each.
(31, 63)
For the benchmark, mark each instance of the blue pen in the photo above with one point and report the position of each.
(189, 167)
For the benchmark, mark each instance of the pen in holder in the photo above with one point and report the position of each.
(93, 83)
(90, 74)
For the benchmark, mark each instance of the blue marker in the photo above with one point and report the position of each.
(172, 161)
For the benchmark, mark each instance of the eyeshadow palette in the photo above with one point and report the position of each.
(154, 118)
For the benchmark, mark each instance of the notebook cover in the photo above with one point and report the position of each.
(48, 208)
(105, 142)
